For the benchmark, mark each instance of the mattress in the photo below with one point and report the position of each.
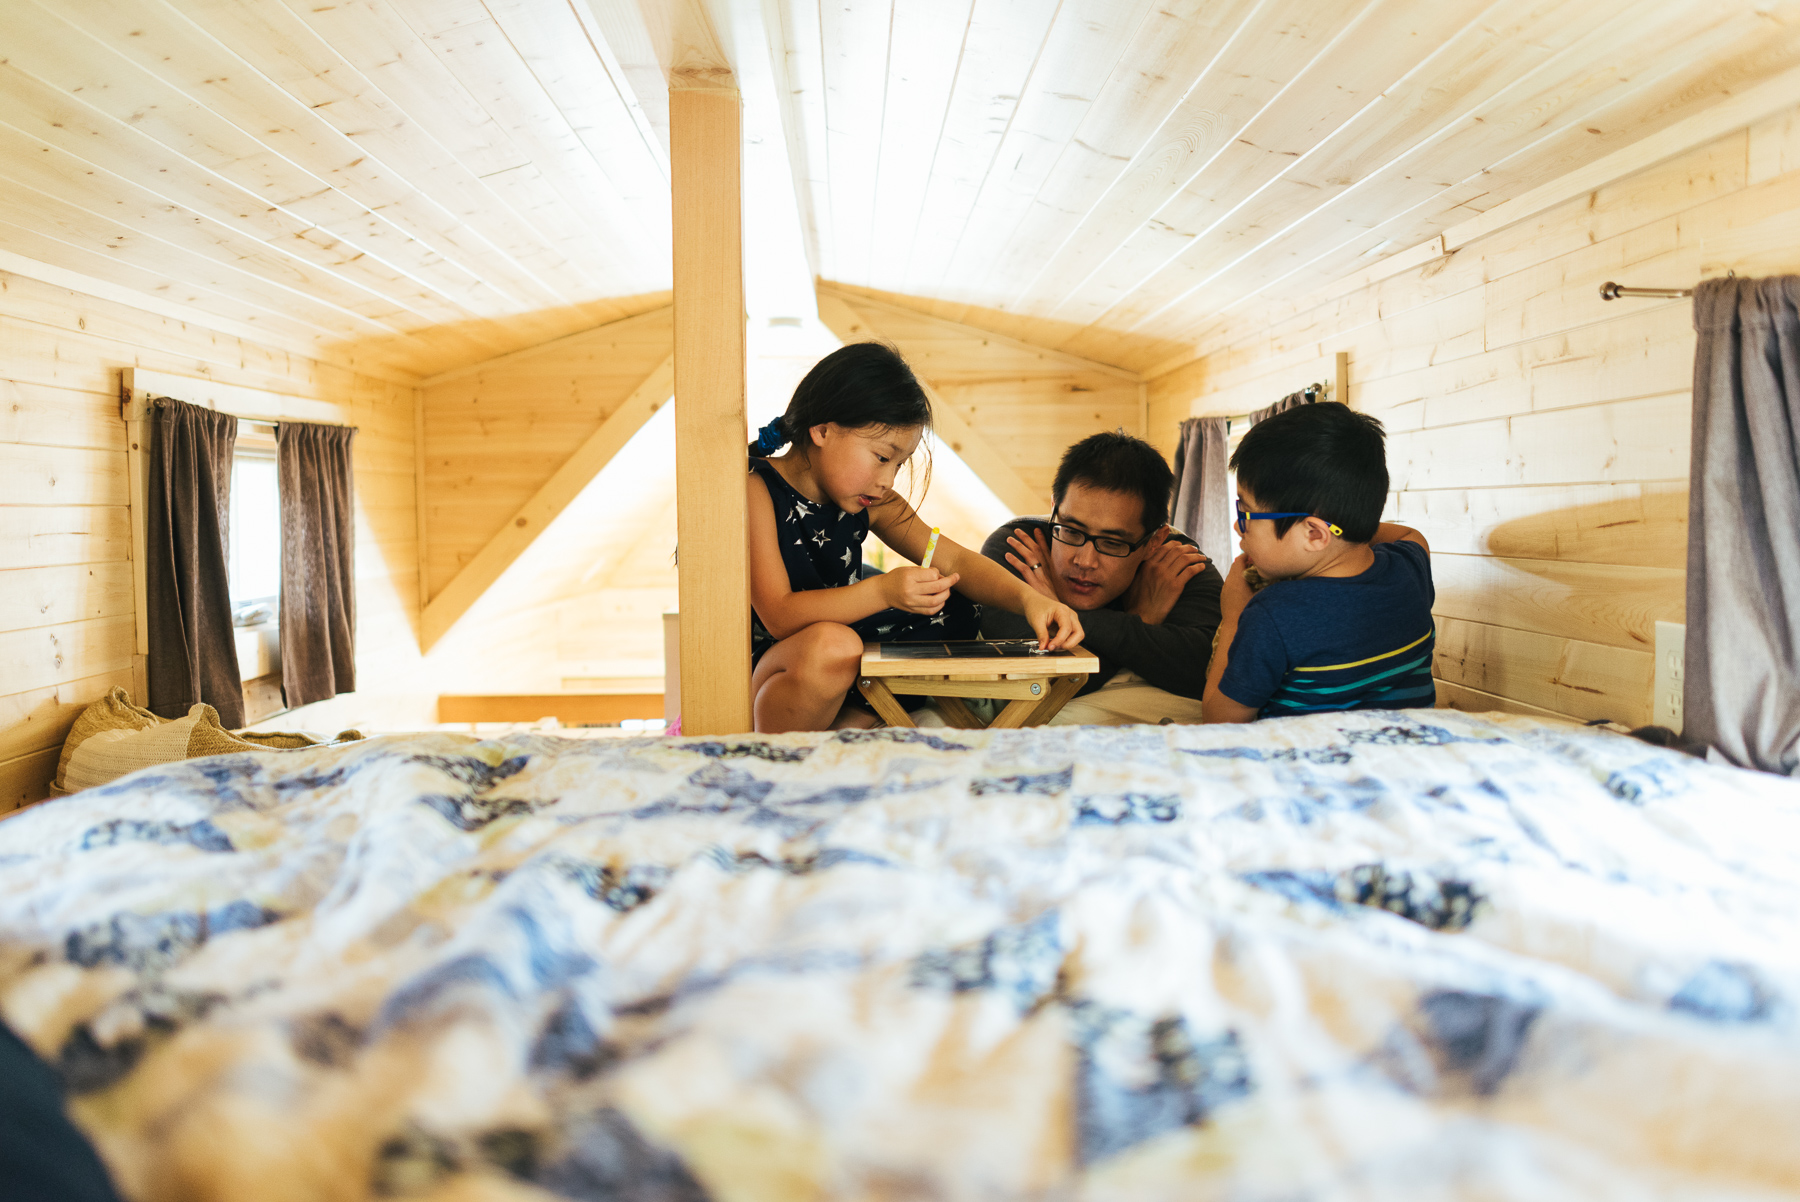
(1383, 955)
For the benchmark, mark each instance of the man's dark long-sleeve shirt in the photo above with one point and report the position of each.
(1172, 656)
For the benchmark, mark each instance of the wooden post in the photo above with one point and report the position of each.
(711, 461)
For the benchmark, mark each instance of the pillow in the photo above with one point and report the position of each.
(113, 712)
(113, 737)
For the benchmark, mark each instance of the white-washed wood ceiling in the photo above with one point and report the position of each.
(1102, 176)
(428, 183)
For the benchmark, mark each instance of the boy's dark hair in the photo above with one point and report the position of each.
(863, 384)
(1118, 462)
(1324, 459)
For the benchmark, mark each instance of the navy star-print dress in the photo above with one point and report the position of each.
(821, 547)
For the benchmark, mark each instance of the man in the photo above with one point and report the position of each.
(1148, 599)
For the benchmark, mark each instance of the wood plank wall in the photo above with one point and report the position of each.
(496, 432)
(1536, 434)
(582, 615)
(66, 609)
(1029, 403)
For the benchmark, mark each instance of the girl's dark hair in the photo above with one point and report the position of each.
(856, 386)
(1324, 459)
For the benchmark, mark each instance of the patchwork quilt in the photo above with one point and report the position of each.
(1381, 955)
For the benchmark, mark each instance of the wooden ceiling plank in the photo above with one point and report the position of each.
(486, 63)
(58, 218)
(1477, 67)
(1272, 51)
(59, 307)
(121, 153)
(38, 256)
(378, 45)
(649, 113)
(1247, 187)
(1706, 172)
(561, 54)
(271, 41)
(1085, 52)
(998, 51)
(799, 69)
(51, 179)
(1325, 265)
(240, 185)
(1701, 48)
(128, 41)
(858, 70)
(913, 103)
(619, 31)
(1154, 74)
(686, 45)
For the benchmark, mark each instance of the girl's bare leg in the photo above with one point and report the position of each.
(800, 682)
(855, 716)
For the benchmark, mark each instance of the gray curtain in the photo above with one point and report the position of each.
(318, 561)
(1202, 508)
(1742, 684)
(193, 649)
(1291, 401)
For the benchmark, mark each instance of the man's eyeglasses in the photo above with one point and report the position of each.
(1243, 516)
(1106, 544)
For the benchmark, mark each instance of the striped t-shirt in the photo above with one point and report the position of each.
(1338, 642)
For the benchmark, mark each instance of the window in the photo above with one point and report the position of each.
(254, 565)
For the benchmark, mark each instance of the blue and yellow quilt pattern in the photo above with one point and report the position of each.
(1382, 955)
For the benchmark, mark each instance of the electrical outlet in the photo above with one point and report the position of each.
(1671, 663)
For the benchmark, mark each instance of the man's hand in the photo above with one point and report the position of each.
(1166, 568)
(1030, 557)
(1057, 625)
(917, 590)
(1237, 592)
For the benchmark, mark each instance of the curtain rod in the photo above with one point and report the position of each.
(1323, 387)
(1612, 291)
(155, 401)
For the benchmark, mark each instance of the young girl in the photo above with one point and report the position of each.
(856, 417)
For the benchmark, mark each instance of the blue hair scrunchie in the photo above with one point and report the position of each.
(769, 439)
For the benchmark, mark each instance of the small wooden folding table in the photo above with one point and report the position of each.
(1034, 687)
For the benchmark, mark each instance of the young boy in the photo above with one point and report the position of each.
(1345, 620)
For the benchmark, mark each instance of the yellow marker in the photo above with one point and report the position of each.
(930, 549)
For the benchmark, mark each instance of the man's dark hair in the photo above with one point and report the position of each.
(1117, 462)
(1324, 459)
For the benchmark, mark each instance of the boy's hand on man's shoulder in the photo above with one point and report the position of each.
(1163, 573)
(1237, 591)
(1393, 532)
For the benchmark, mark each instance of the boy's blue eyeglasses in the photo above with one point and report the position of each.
(1244, 517)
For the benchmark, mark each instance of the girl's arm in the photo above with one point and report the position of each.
(785, 612)
(983, 580)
